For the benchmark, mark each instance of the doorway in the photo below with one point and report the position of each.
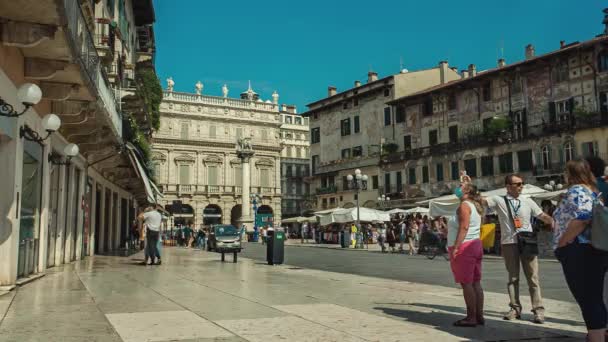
(53, 215)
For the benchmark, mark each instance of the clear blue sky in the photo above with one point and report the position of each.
(300, 47)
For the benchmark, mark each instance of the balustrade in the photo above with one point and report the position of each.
(216, 100)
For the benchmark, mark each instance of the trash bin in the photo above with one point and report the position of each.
(275, 246)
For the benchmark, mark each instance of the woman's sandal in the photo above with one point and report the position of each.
(463, 323)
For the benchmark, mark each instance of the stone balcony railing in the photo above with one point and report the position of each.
(219, 101)
(192, 189)
(82, 43)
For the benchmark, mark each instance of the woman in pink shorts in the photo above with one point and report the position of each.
(466, 252)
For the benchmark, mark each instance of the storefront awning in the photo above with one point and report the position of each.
(141, 173)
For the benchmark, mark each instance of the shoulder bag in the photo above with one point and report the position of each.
(599, 225)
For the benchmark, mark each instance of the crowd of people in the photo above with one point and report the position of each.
(584, 266)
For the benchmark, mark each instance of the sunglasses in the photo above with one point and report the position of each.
(517, 184)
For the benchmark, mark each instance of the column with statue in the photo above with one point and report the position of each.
(244, 151)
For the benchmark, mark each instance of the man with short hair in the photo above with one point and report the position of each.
(518, 243)
(152, 220)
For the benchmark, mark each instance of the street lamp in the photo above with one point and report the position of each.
(28, 94)
(552, 186)
(358, 183)
(382, 200)
(254, 201)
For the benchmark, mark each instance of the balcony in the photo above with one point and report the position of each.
(345, 164)
(219, 101)
(549, 170)
(327, 190)
(105, 39)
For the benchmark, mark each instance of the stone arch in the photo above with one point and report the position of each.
(235, 214)
(348, 205)
(212, 214)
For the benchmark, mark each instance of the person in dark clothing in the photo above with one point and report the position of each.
(598, 168)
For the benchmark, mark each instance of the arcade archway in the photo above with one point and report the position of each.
(235, 215)
(264, 216)
(212, 214)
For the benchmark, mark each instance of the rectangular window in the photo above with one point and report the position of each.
(433, 139)
(239, 132)
(264, 135)
(344, 183)
(439, 172)
(453, 134)
(425, 174)
(399, 181)
(357, 128)
(525, 160)
(357, 151)
(298, 121)
(400, 115)
(345, 127)
(184, 131)
(324, 182)
(505, 162)
(427, 107)
(315, 135)
(452, 102)
(265, 177)
(407, 143)
(288, 171)
(375, 182)
(212, 175)
(238, 176)
(324, 203)
(387, 92)
(487, 166)
(184, 174)
(454, 170)
(346, 153)
(589, 149)
(314, 163)
(212, 132)
(387, 183)
(345, 105)
(355, 102)
(470, 165)
(387, 116)
(516, 85)
(412, 176)
(561, 72)
(487, 91)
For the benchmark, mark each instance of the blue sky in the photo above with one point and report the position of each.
(300, 47)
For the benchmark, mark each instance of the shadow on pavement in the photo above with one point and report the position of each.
(494, 330)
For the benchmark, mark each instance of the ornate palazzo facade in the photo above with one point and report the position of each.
(195, 161)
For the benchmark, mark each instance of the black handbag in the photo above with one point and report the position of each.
(527, 242)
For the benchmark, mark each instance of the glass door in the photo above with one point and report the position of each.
(29, 225)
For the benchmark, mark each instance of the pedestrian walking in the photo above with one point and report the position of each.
(264, 234)
(304, 232)
(152, 220)
(584, 267)
(382, 237)
(519, 243)
(412, 229)
(402, 233)
(466, 253)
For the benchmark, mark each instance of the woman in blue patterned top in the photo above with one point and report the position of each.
(584, 267)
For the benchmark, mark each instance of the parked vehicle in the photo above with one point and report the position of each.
(224, 238)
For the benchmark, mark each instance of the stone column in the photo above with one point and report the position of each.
(245, 152)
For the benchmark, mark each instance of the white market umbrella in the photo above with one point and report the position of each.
(397, 211)
(350, 215)
(417, 210)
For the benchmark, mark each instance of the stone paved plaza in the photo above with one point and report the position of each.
(195, 297)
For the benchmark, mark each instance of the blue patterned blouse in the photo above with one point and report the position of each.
(576, 205)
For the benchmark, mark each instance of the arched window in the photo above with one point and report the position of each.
(546, 154)
(568, 152)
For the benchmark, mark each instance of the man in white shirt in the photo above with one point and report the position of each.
(514, 214)
(152, 219)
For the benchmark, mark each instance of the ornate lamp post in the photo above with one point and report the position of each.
(358, 182)
(382, 200)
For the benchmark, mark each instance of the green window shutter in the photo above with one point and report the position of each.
(560, 152)
(538, 161)
(596, 150)
(552, 111)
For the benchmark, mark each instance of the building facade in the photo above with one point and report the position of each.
(55, 208)
(195, 160)
(295, 164)
(352, 129)
(528, 117)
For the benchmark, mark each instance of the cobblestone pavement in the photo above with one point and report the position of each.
(195, 297)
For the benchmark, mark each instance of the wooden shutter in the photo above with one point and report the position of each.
(552, 114)
(604, 103)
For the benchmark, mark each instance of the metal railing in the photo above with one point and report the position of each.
(82, 44)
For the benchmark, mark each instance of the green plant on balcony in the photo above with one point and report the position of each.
(389, 148)
(134, 135)
(150, 90)
(582, 112)
(498, 127)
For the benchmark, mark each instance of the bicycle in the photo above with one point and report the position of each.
(437, 248)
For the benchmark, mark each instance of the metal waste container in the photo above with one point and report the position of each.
(275, 249)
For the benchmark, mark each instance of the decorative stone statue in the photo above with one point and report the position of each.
(244, 144)
(275, 97)
(170, 84)
(225, 90)
(198, 88)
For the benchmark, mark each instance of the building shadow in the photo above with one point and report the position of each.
(495, 328)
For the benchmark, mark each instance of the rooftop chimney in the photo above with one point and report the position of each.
(331, 91)
(501, 62)
(562, 43)
(372, 76)
(291, 109)
(605, 21)
(357, 84)
(443, 71)
(454, 69)
(472, 70)
(465, 73)
(530, 51)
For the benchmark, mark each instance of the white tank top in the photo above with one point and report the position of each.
(474, 226)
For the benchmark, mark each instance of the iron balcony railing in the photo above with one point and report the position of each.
(82, 43)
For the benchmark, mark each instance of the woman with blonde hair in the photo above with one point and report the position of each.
(466, 252)
(584, 266)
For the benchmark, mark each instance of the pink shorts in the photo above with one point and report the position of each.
(466, 266)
